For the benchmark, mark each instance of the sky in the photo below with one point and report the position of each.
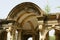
(52, 32)
(7, 5)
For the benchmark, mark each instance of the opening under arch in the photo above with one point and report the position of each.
(52, 34)
(30, 38)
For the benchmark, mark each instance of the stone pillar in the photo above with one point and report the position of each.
(41, 36)
(40, 32)
(3, 35)
(19, 34)
(57, 34)
(11, 33)
(47, 36)
(8, 33)
(33, 37)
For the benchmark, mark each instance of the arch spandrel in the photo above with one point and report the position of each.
(25, 13)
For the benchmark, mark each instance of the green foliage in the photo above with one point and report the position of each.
(51, 37)
(58, 6)
(47, 9)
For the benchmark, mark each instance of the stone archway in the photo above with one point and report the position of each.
(45, 32)
(25, 14)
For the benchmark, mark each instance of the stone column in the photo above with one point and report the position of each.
(47, 36)
(57, 35)
(33, 37)
(11, 33)
(3, 35)
(40, 32)
(19, 34)
(8, 33)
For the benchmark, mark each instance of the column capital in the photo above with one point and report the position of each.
(9, 29)
(40, 27)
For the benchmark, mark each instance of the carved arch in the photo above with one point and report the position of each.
(25, 11)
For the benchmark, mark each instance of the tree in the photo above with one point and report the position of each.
(47, 9)
(58, 6)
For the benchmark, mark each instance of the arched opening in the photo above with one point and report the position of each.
(30, 38)
(52, 34)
